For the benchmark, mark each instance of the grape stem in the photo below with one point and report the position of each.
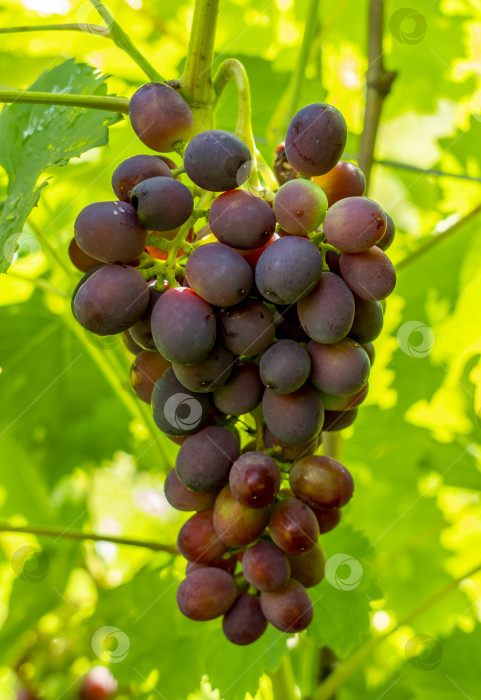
(102, 102)
(59, 533)
(94, 29)
(257, 413)
(232, 69)
(124, 42)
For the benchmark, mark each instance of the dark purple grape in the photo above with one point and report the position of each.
(110, 232)
(288, 326)
(265, 566)
(181, 498)
(162, 203)
(206, 594)
(368, 321)
(338, 420)
(327, 313)
(135, 169)
(111, 299)
(315, 139)
(289, 609)
(255, 479)
(248, 328)
(294, 418)
(198, 540)
(217, 161)
(209, 374)
(283, 170)
(160, 117)
(284, 452)
(235, 523)
(340, 369)
(219, 274)
(178, 411)
(332, 262)
(344, 180)
(147, 368)
(242, 393)
(321, 482)
(354, 224)
(344, 403)
(81, 260)
(183, 326)
(327, 519)
(370, 274)
(388, 237)
(244, 623)
(300, 207)
(293, 526)
(371, 353)
(308, 568)
(204, 459)
(241, 220)
(288, 270)
(141, 331)
(228, 565)
(285, 366)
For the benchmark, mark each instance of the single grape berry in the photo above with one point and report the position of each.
(388, 237)
(219, 274)
(206, 594)
(244, 623)
(368, 320)
(241, 220)
(370, 274)
(344, 180)
(341, 368)
(344, 403)
(255, 479)
(355, 224)
(308, 568)
(182, 498)
(177, 410)
(296, 417)
(162, 203)
(135, 169)
(285, 366)
(288, 609)
(315, 139)
(147, 368)
(327, 519)
(81, 260)
(217, 161)
(247, 328)
(338, 420)
(265, 566)
(198, 540)
(235, 523)
(204, 459)
(321, 482)
(293, 526)
(283, 170)
(209, 374)
(300, 207)
(141, 331)
(160, 117)
(327, 313)
(242, 393)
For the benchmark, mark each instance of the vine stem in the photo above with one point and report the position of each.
(59, 533)
(283, 682)
(102, 102)
(197, 78)
(379, 82)
(346, 669)
(232, 69)
(95, 29)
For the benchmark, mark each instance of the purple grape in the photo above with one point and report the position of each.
(255, 479)
(147, 368)
(244, 623)
(344, 180)
(327, 519)
(198, 541)
(321, 482)
(206, 594)
(289, 609)
(182, 498)
(327, 313)
(308, 568)
(265, 566)
(293, 526)
(162, 203)
(338, 420)
(242, 393)
(241, 220)
(217, 161)
(248, 328)
(300, 207)
(341, 369)
(370, 274)
(368, 321)
(388, 237)
(219, 274)
(178, 411)
(135, 169)
(294, 418)
(354, 224)
(141, 331)
(285, 366)
(204, 460)
(235, 523)
(209, 374)
(81, 260)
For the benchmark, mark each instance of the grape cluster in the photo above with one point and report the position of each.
(266, 328)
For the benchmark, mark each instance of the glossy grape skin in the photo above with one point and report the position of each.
(368, 321)
(370, 274)
(327, 313)
(265, 566)
(209, 374)
(217, 161)
(300, 207)
(141, 331)
(242, 393)
(285, 366)
(332, 261)
(371, 353)
(288, 270)
(344, 180)
(244, 623)
(293, 526)
(198, 540)
(341, 368)
(283, 170)
(81, 260)
(204, 459)
(147, 368)
(296, 417)
(206, 594)
(289, 609)
(228, 565)
(110, 299)
(284, 452)
(162, 203)
(184, 499)
(160, 117)
(241, 220)
(219, 274)
(252, 256)
(327, 519)
(344, 403)
(235, 523)
(308, 568)
(388, 237)
(321, 482)
(134, 170)
(255, 479)
(178, 411)
(248, 328)
(315, 139)
(110, 232)
(354, 224)
(339, 420)
(192, 336)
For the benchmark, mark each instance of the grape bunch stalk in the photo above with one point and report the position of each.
(250, 312)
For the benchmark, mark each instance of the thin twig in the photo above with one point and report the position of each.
(102, 102)
(95, 29)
